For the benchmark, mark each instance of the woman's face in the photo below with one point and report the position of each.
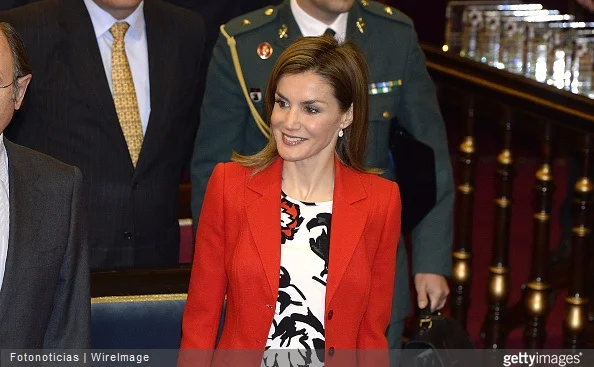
(306, 118)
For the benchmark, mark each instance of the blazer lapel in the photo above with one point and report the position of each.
(348, 223)
(162, 57)
(27, 205)
(263, 214)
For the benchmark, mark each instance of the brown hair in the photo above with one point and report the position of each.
(19, 54)
(343, 66)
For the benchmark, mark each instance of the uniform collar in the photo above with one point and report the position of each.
(102, 20)
(310, 26)
(356, 26)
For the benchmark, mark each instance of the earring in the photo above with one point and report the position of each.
(340, 133)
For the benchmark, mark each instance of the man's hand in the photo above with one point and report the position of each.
(588, 4)
(431, 286)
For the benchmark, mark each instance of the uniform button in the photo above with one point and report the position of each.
(135, 185)
(386, 115)
(331, 351)
(269, 306)
(128, 235)
(330, 314)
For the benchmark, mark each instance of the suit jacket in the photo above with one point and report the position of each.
(9, 4)
(44, 300)
(69, 114)
(238, 254)
(390, 42)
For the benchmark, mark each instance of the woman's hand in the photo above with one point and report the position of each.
(431, 287)
(588, 4)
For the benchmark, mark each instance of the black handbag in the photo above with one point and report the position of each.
(439, 341)
(414, 163)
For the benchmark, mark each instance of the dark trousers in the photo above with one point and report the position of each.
(394, 335)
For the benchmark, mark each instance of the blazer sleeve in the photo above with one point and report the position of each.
(69, 324)
(223, 119)
(377, 316)
(208, 282)
(419, 113)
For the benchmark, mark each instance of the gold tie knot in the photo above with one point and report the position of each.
(118, 30)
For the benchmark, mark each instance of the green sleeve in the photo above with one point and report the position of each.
(419, 113)
(223, 119)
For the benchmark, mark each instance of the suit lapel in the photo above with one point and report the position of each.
(348, 223)
(162, 57)
(87, 72)
(27, 205)
(83, 57)
(263, 214)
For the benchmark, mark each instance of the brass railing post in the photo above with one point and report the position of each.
(537, 291)
(494, 332)
(576, 303)
(462, 254)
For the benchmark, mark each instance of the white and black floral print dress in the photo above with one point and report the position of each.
(298, 323)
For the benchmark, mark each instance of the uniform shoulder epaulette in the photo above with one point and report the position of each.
(251, 21)
(386, 11)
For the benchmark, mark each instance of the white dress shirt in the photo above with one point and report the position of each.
(311, 27)
(136, 50)
(4, 208)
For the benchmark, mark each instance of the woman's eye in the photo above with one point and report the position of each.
(311, 110)
(281, 103)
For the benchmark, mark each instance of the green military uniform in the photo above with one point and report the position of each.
(401, 88)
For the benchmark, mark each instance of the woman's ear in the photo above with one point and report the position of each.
(348, 117)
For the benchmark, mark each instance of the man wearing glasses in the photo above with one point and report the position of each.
(44, 271)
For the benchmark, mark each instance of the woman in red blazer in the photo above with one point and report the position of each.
(300, 237)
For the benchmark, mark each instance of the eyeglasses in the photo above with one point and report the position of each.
(7, 85)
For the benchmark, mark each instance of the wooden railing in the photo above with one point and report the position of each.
(551, 110)
(129, 282)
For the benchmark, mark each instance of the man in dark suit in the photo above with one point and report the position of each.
(44, 271)
(120, 103)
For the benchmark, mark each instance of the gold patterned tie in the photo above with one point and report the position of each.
(124, 94)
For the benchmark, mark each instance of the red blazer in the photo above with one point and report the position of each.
(238, 254)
